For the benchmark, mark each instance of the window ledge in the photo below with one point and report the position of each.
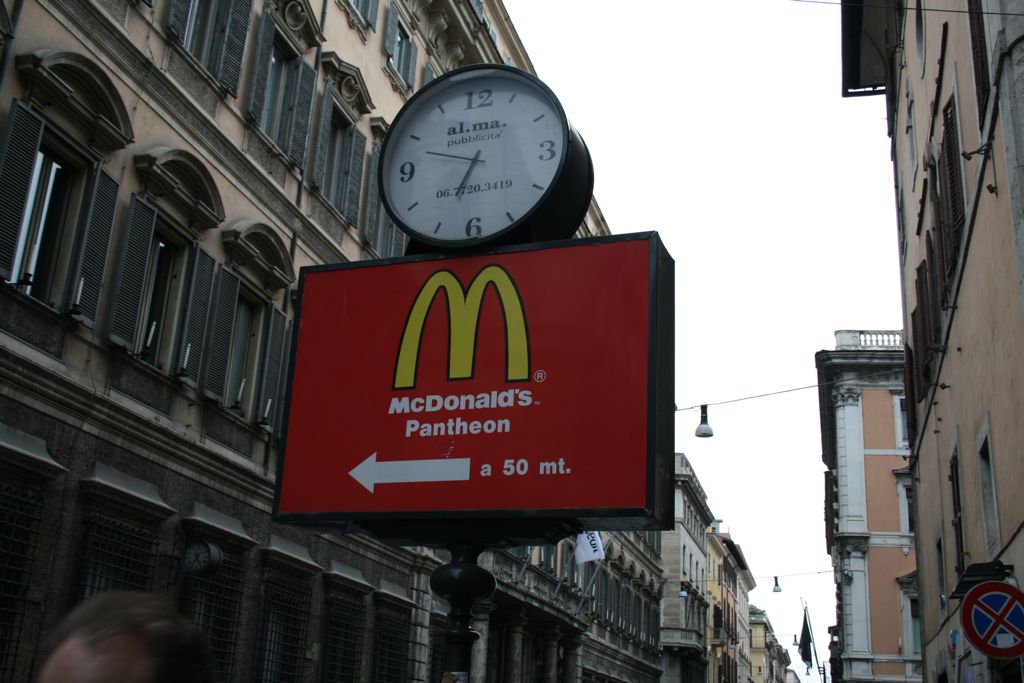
(398, 83)
(223, 527)
(199, 69)
(124, 491)
(27, 454)
(289, 555)
(355, 19)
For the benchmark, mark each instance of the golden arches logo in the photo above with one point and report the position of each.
(464, 304)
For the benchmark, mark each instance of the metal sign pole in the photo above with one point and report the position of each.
(461, 582)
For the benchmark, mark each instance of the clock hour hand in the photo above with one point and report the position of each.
(472, 162)
(455, 156)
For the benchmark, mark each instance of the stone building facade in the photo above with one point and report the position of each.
(685, 600)
(167, 167)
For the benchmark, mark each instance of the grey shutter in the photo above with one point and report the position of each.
(478, 10)
(132, 272)
(17, 166)
(370, 217)
(428, 73)
(398, 240)
(371, 14)
(354, 173)
(273, 364)
(391, 33)
(305, 88)
(261, 67)
(177, 20)
(234, 45)
(86, 285)
(323, 134)
(222, 326)
(197, 313)
(408, 66)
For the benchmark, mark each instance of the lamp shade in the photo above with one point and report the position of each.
(704, 429)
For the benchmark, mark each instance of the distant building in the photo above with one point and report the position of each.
(684, 602)
(869, 511)
(729, 582)
(769, 658)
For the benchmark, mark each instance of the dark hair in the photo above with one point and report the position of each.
(177, 649)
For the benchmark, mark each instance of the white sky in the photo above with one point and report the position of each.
(720, 125)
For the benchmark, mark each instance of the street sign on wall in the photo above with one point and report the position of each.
(522, 393)
(992, 616)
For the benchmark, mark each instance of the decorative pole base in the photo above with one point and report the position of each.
(461, 582)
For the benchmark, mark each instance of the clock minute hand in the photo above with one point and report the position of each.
(456, 156)
(472, 162)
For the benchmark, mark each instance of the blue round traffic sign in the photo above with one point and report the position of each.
(992, 616)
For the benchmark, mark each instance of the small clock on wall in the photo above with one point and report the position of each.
(201, 558)
(485, 154)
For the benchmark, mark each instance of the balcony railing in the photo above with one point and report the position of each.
(847, 340)
(682, 637)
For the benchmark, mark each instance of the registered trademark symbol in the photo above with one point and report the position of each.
(540, 375)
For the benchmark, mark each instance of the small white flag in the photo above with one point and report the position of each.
(589, 547)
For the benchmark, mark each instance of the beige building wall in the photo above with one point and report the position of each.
(953, 92)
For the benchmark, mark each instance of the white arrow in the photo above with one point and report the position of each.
(369, 472)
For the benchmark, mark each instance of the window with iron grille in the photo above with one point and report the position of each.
(285, 621)
(391, 645)
(345, 623)
(438, 649)
(214, 603)
(116, 556)
(20, 512)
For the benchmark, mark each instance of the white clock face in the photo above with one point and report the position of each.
(472, 155)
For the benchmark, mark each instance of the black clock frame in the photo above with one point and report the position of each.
(556, 215)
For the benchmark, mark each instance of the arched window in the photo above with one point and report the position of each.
(57, 208)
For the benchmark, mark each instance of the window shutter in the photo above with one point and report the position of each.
(234, 45)
(398, 240)
(478, 10)
(428, 73)
(17, 164)
(222, 326)
(304, 91)
(409, 68)
(197, 313)
(273, 363)
(370, 216)
(391, 33)
(131, 273)
(261, 67)
(354, 173)
(177, 20)
(95, 242)
(951, 182)
(371, 14)
(323, 133)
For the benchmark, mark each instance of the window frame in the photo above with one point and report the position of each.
(287, 130)
(77, 241)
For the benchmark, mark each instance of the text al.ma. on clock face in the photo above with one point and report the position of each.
(473, 157)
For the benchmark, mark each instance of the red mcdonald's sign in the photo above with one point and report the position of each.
(513, 391)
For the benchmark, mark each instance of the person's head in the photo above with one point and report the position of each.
(127, 637)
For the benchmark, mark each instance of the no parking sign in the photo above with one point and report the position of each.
(992, 616)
